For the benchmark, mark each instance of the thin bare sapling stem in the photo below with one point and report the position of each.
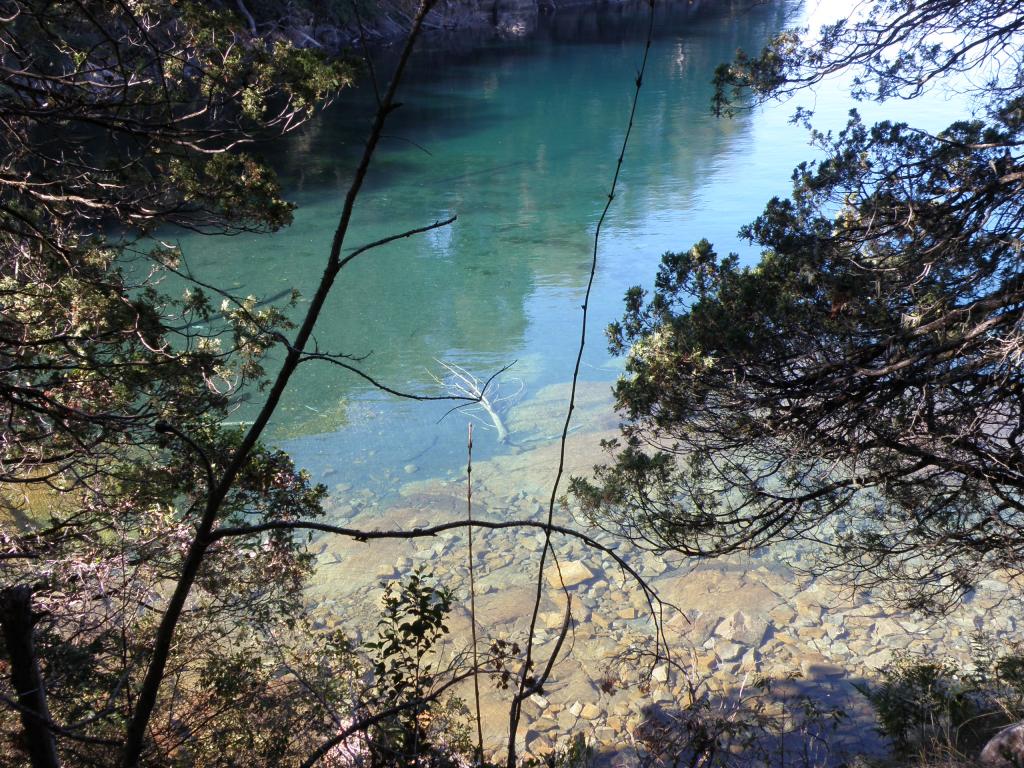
(527, 683)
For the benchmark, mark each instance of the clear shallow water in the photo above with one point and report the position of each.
(519, 140)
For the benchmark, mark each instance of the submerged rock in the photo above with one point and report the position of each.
(569, 573)
(742, 628)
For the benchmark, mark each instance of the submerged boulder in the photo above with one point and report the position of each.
(570, 573)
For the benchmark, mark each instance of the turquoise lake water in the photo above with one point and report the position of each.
(518, 139)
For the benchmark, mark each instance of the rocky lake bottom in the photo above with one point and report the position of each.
(728, 623)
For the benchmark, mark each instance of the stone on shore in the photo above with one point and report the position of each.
(1005, 749)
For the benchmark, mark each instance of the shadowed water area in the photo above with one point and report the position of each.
(519, 139)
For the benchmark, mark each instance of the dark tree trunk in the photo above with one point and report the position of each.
(17, 622)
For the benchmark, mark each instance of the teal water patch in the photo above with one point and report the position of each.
(519, 140)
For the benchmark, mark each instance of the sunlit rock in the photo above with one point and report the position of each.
(569, 573)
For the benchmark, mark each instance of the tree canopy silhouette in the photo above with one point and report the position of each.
(117, 119)
(861, 385)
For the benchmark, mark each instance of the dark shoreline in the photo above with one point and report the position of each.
(466, 24)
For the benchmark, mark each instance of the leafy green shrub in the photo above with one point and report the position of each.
(405, 663)
(925, 706)
(944, 709)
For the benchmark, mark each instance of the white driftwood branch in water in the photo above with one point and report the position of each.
(458, 381)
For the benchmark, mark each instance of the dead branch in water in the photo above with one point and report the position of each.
(461, 384)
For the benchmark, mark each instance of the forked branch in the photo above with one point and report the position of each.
(460, 384)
